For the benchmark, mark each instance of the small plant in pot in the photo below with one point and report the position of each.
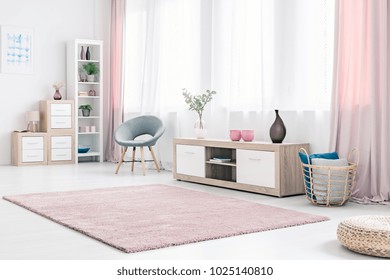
(91, 69)
(86, 110)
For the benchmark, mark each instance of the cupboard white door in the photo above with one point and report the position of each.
(61, 142)
(61, 154)
(32, 155)
(256, 168)
(61, 109)
(61, 122)
(32, 143)
(190, 160)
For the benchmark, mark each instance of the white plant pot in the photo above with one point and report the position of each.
(90, 78)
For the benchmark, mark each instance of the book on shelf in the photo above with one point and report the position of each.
(219, 159)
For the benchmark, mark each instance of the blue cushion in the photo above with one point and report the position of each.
(332, 155)
(303, 158)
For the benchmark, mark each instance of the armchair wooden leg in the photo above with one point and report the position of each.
(124, 149)
(154, 159)
(133, 159)
(142, 160)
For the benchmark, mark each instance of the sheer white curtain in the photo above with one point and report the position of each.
(274, 54)
(258, 56)
(163, 55)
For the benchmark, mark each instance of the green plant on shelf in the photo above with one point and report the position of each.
(85, 107)
(91, 68)
(85, 110)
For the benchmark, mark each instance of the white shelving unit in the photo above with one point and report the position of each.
(77, 87)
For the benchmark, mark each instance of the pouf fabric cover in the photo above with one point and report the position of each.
(369, 235)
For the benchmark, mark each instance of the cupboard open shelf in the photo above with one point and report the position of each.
(89, 154)
(88, 83)
(233, 163)
(86, 61)
(90, 117)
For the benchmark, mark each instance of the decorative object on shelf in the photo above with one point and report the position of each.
(91, 69)
(200, 129)
(88, 54)
(85, 109)
(32, 118)
(57, 95)
(83, 93)
(85, 128)
(82, 75)
(82, 53)
(92, 92)
(248, 135)
(235, 135)
(220, 159)
(277, 131)
(83, 150)
(197, 103)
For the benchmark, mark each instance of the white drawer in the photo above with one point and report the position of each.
(32, 142)
(61, 109)
(256, 168)
(61, 122)
(61, 154)
(32, 155)
(61, 142)
(190, 160)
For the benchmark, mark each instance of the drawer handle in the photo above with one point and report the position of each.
(32, 143)
(60, 122)
(256, 159)
(32, 156)
(63, 142)
(190, 153)
(61, 155)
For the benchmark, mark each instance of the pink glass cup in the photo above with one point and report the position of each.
(248, 135)
(235, 135)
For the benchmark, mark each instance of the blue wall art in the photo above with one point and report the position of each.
(16, 50)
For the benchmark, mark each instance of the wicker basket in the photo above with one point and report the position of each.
(329, 185)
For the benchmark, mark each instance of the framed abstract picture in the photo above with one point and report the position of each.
(17, 55)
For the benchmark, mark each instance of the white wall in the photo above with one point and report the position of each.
(54, 22)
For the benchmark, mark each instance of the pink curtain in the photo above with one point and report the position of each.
(361, 102)
(115, 113)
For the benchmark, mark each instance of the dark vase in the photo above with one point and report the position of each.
(88, 54)
(57, 95)
(277, 131)
(82, 53)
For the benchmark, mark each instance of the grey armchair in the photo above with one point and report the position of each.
(126, 133)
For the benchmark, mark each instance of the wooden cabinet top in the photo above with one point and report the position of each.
(227, 143)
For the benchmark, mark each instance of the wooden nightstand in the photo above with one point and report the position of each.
(29, 148)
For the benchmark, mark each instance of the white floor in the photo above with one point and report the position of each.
(25, 235)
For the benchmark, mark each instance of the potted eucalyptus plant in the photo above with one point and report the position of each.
(197, 103)
(91, 69)
(85, 109)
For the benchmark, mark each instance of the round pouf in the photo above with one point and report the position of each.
(369, 235)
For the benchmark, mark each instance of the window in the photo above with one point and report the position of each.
(258, 55)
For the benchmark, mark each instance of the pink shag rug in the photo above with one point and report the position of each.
(139, 218)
